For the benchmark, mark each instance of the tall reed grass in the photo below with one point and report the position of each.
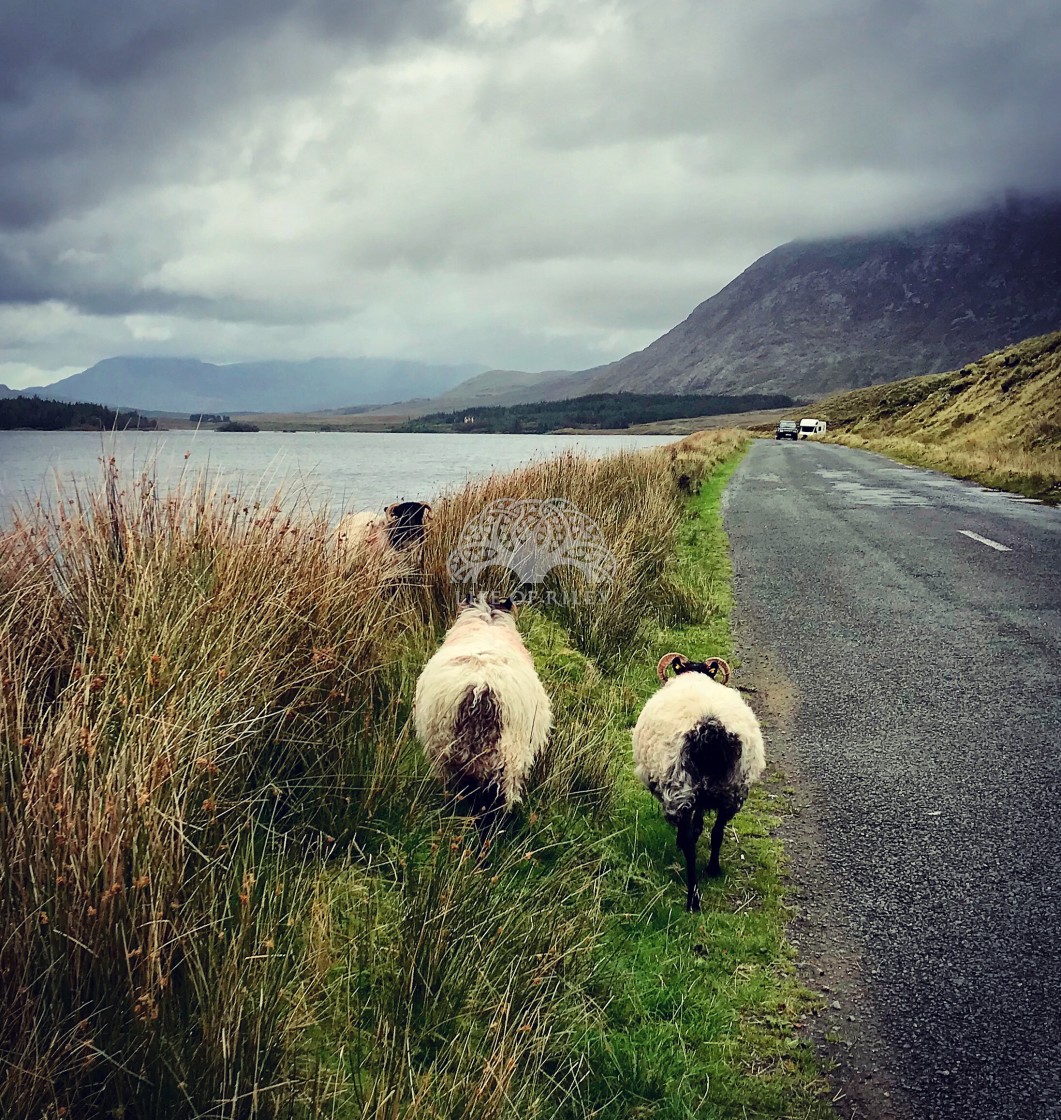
(228, 886)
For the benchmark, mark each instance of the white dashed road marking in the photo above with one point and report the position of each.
(985, 540)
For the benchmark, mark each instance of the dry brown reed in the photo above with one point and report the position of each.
(225, 883)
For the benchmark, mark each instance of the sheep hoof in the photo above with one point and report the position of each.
(693, 905)
(714, 871)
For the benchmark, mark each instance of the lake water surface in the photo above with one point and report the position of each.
(344, 470)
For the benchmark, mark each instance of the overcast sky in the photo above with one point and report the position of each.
(529, 184)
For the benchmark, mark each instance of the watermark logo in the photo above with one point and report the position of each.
(531, 537)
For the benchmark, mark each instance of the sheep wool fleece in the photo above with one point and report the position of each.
(660, 736)
(480, 710)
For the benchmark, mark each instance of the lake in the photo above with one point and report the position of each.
(343, 470)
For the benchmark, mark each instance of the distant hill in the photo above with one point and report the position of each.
(1012, 394)
(813, 317)
(187, 385)
(509, 386)
(495, 387)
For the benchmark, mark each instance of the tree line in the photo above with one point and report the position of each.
(594, 411)
(54, 416)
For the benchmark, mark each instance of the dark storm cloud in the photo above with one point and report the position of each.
(89, 92)
(113, 289)
(109, 45)
(970, 89)
(530, 183)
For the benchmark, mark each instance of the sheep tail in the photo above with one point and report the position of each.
(711, 751)
(475, 761)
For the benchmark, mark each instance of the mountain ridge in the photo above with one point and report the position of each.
(189, 385)
(813, 317)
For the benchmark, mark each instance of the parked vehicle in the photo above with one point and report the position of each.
(811, 427)
(787, 429)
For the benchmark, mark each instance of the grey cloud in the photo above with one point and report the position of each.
(91, 93)
(874, 84)
(115, 288)
(553, 186)
(114, 43)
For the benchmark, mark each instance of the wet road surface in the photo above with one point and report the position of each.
(916, 624)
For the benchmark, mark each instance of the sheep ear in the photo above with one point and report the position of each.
(719, 669)
(468, 601)
(505, 605)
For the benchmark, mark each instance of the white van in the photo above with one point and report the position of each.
(811, 427)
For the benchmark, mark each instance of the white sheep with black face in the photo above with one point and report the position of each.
(400, 527)
(480, 711)
(389, 539)
(697, 747)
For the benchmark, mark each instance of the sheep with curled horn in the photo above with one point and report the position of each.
(480, 711)
(698, 747)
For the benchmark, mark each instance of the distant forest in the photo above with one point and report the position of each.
(55, 416)
(599, 410)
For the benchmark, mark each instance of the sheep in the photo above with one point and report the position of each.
(697, 746)
(400, 527)
(387, 541)
(480, 711)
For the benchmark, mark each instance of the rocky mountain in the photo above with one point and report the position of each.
(814, 317)
(187, 385)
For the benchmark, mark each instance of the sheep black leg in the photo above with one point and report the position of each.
(488, 813)
(689, 829)
(718, 830)
(489, 821)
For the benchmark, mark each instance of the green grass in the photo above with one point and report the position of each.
(229, 885)
(702, 1008)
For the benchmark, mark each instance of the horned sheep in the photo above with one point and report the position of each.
(386, 542)
(697, 747)
(480, 711)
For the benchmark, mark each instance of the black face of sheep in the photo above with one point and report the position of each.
(406, 524)
(713, 667)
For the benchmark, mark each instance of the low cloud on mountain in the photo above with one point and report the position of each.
(523, 184)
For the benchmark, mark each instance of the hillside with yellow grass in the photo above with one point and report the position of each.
(996, 421)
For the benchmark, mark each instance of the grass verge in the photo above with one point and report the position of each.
(704, 1009)
(229, 887)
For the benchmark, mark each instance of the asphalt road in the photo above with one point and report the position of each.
(923, 727)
